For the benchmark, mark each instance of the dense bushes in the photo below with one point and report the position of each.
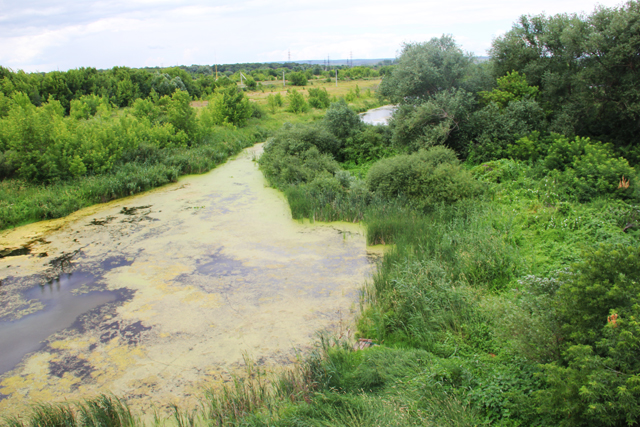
(427, 177)
(586, 169)
(319, 98)
(149, 167)
(597, 379)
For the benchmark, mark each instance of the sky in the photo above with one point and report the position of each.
(47, 35)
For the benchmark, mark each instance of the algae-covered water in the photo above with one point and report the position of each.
(157, 296)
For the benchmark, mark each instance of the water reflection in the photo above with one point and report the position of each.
(378, 116)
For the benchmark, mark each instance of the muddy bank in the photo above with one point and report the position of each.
(155, 296)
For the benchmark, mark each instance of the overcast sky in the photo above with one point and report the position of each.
(45, 35)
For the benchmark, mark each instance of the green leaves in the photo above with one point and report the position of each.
(297, 103)
(512, 87)
(227, 106)
(424, 69)
(585, 68)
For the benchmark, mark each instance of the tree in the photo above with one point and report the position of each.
(586, 68)
(341, 120)
(228, 106)
(297, 78)
(424, 69)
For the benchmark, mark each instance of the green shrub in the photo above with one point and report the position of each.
(227, 106)
(511, 87)
(590, 169)
(319, 98)
(597, 382)
(296, 139)
(297, 104)
(499, 127)
(372, 143)
(427, 177)
(441, 119)
(341, 120)
(274, 101)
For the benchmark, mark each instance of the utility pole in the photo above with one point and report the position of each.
(283, 81)
(336, 77)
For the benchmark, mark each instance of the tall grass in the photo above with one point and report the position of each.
(104, 411)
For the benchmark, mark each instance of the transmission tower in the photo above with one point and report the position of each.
(289, 55)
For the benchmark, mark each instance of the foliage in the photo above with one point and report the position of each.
(341, 120)
(423, 69)
(319, 98)
(297, 78)
(583, 67)
(141, 169)
(228, 106)
(599, 307)
(274, 101)
(440, 120)
(499, 127)
(512, 87)
(587, 169)
(427, 177)
(298, 154)
(371, 144)
(297, 103)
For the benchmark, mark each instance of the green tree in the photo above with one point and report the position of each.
(341, 120)
(597, 382)
(585, 67)
(228, 106)
(423, 69)
(319, 98)
(297, 78)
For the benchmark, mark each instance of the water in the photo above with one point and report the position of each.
(212, 267)
(61, 308)
(378, 116)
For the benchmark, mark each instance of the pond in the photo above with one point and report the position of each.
(378, 116)
(159, 295)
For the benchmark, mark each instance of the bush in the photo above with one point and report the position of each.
(442, 119)
(341, 120)
(597, 382)
(274, 101)
(319, 98)
(500, 127)
(298, 138)
(228, 106)
(297, 104)
(372, 143)
(426, 177)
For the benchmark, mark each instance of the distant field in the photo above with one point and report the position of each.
(340, 90)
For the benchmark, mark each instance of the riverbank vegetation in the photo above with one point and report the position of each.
(509, 296)
(508, 194)
(87, 145)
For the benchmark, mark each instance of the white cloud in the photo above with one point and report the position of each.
(104, 33)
